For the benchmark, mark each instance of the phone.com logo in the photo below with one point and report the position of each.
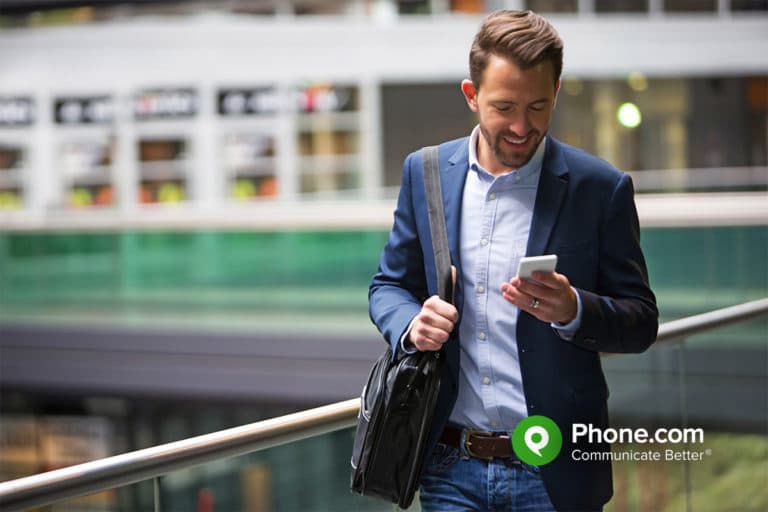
(537, 440)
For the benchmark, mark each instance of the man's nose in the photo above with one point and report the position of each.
(519, 124)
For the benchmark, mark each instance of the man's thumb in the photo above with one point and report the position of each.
(453, 276)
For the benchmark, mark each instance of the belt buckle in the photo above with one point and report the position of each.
(468, 433)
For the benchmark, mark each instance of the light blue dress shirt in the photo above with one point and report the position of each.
(495, 224)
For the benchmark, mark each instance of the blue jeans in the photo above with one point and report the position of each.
(454, 481)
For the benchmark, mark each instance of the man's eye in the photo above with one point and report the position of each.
(537, 108)
(502, 108)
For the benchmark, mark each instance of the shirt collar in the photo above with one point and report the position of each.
(532, 167)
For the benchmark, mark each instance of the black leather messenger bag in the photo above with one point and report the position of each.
(398, 401)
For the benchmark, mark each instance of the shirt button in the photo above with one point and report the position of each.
(486, 380)
(480, 289)
(484, 242)
(517, 177)
(482, 336)
(492, 197)
(494, 424)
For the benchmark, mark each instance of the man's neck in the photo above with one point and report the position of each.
(487, 160)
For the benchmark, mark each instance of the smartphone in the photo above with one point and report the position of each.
(531, 264)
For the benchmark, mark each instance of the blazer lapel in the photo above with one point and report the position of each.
(553, 184)
(453, 176)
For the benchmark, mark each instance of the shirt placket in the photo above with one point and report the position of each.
(481, 291)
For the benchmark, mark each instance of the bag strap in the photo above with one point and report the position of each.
(437, 223)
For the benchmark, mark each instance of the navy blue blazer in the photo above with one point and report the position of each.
(585, 213)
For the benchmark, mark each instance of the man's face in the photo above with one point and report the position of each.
(514, 107)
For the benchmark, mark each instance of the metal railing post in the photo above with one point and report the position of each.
(682, 384)
(156, 493)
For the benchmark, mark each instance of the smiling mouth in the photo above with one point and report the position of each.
(517, 141)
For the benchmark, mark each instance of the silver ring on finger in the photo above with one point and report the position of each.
(535, 303)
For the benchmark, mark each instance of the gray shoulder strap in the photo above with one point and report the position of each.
(437, 222)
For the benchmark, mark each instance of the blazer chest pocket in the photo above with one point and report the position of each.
(578, 262)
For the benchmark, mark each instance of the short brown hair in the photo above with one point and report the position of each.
(524, 37)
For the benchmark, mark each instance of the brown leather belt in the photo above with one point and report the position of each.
(479, 444)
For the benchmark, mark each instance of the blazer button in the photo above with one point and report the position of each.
(590, 340)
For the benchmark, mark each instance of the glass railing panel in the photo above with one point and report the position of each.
(135, 498)
(308, 475)
(716, 382)
(645, 394)
(714, 388)
(727, 382)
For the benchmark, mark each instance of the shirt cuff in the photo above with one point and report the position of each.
(405, 345)
(568, 331)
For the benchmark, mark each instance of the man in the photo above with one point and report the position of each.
(515, 348)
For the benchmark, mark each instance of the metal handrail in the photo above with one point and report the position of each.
(684, 327)
(132, 467)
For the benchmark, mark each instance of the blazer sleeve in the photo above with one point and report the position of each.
(399, 286)
(621, 314)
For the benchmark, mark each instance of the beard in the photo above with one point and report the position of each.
(504, 151)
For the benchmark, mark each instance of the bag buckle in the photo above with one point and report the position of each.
(468, 434)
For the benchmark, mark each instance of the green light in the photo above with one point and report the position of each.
(629, 115)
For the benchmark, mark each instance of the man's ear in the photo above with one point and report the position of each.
(470, 94)
(557, 90)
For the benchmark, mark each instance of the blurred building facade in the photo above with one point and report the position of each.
(183, 103)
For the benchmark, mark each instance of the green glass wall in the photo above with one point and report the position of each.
(251, 273)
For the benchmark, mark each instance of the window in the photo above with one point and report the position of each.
(621, 5)
(548, 6)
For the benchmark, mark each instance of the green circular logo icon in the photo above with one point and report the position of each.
(537, 440)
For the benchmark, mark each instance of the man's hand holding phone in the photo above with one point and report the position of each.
(542, 292)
